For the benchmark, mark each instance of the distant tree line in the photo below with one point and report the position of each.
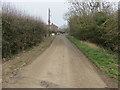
(20, 31)
(95, 22)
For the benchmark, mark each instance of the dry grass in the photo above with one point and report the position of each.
(91, 44)
(107, 61)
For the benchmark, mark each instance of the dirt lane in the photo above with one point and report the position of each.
(0, 75)
(61, 66)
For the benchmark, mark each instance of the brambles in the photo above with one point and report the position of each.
(20, 31)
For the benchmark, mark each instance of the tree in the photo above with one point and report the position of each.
(94, 21)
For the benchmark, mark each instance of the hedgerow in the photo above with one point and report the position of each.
(20, 31)
(96, 22)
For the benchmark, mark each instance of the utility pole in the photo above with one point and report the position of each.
(49, 18)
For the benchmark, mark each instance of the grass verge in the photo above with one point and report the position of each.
(106, 60)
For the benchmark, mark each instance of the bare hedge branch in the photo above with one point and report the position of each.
(20, 31)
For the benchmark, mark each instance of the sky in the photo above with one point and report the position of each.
(39, 8)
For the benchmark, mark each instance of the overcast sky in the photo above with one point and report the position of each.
(39, 8)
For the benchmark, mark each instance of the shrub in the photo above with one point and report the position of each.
(95, 22)
(20, 31)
